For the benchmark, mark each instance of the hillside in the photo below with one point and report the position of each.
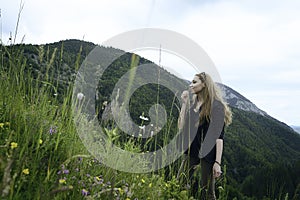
(262, 155)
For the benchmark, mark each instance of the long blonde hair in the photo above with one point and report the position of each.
(208, 94)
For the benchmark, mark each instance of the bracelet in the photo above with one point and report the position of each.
(217, 162)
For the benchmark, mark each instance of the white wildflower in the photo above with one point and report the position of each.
(144, 118)
(80, 96)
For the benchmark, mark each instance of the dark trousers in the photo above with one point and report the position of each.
(190, 175)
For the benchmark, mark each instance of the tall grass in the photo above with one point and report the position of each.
(36, 134)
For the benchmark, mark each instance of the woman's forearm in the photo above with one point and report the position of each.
(219, 150)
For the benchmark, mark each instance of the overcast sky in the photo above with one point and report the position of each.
(254, 44)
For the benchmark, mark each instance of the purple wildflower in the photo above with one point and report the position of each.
(66, 171)
(84, 192)
(52, 130)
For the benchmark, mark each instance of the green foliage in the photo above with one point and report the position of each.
(35, 134)
(262, 156)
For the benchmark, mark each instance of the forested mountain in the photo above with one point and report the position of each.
(261, 154)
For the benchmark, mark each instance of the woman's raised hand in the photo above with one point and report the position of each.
(185, 96)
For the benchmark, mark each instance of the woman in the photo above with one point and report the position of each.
(209, 109)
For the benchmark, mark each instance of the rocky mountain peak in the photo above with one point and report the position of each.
(236, 100)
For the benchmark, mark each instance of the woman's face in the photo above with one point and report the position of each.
(197, 85)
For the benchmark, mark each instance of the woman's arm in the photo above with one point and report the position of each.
(217, 165)
(219, 150)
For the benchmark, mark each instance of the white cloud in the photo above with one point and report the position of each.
(235, 36)
(274, 100)
(254, 44)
